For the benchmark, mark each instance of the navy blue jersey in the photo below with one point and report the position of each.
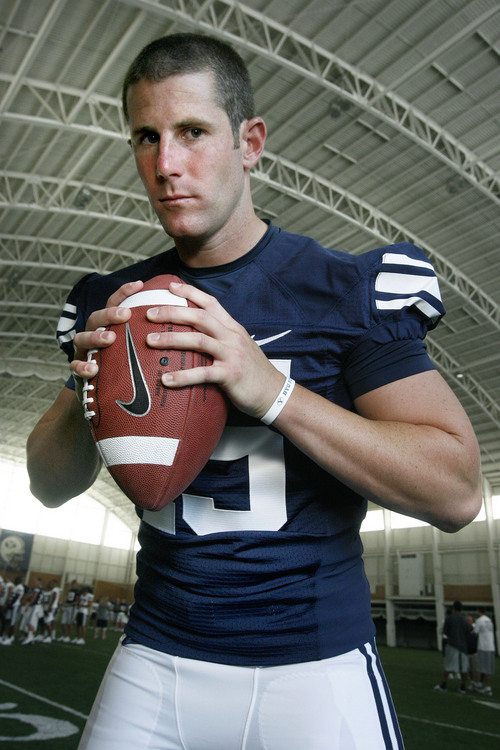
(259, 562)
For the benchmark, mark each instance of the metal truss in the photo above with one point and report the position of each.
(24, 291)
(57, 250)
(305, 185)
(49, 194)
(66, 107)
(47, 252)
(252, 30)
(100, 115)
(38, 41)
(23, 191)
(469, 385)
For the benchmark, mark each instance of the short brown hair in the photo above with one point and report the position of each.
(192, 53)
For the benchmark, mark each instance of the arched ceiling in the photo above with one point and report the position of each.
(384, 125)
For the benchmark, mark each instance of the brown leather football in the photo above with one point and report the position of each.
(153, 440)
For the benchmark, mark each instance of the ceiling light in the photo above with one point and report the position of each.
(83, 198)
(455, 184)
(338, 107)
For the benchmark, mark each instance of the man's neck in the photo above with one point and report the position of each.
(221, 250)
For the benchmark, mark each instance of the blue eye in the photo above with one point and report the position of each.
(194, 133)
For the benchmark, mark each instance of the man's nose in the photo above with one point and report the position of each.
(168, 159)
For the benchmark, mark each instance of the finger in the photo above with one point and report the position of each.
(107, 317)
(85, 342)
(215, 323)
(83, 369)
(97, 334)
(93, 339)
(201, 300)
(112, 314)
(192, 341)
(191, 376)
(126, 290)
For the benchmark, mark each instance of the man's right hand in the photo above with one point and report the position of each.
(96, 335)
(62, 457)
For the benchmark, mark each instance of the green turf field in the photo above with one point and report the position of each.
(46, 690)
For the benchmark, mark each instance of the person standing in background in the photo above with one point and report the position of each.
(456, 659)
(483, 627)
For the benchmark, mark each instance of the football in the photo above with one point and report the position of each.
(153, 440)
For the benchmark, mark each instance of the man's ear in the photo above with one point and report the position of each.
(253, 138)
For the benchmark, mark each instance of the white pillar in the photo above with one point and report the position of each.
(390, 627)
(437, 564)
(492, 557)
(100, 554)
(64, 575)
(131, 562)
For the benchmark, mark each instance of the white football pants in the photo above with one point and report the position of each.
(149, 700)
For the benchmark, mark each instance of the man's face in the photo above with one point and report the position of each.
(186, 157)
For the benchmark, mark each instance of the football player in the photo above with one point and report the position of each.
(251, 623)
(5, 587)
(13, 611)
(51, 607)
(84, 603)
(34, 611)
(68, 614)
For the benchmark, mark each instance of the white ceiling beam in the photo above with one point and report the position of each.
(285, 177)
(111, 59)
(7, 27)
(77, 247)
(36, 193)
(35, 47)
(467, 383)
(106, 116)
(85, 36)
(464, 32)
(304, 185)
(56, 101)
(248, 28)
(47, 252)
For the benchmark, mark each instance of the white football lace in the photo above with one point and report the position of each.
(86, 399)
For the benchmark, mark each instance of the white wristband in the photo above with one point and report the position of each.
(280, 402)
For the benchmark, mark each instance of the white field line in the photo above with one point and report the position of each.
(44, 700)
(448, 726)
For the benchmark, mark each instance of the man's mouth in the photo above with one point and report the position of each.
(174, 199)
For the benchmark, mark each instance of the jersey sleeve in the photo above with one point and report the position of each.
(402, 302)
(93, 291)
(405, 280)
(73, 319)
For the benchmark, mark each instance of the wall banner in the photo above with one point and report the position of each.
(15, 550)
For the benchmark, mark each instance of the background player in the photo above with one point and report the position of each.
(34, 611)
(251, 623)
(5, 591)
(51, 607)
(82, 613)
(68, 613)
(483, 628)
(13, 611)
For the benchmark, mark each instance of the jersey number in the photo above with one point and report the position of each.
(266, 477)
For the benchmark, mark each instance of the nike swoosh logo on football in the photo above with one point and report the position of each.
(141, 402)
(261, 342)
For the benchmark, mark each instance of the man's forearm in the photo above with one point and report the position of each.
(428, 471)
(62, 457)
